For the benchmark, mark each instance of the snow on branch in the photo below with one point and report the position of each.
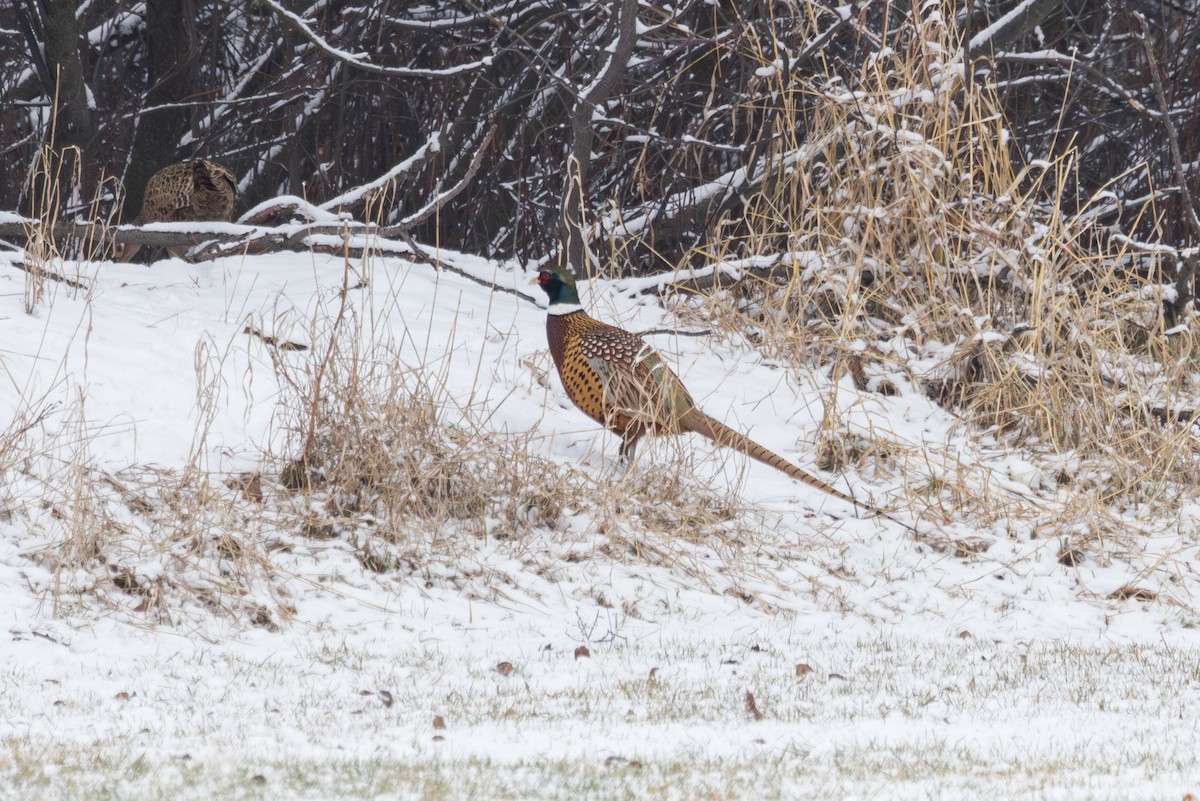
(457, 19)
(152, 234)
(1021, 20)
(285, 207)
(406, 167)
(726, 272)
(1073, 65)
(443, 198)
(1189, 205)
(357, 59)
(1184, 283)
(620, 50)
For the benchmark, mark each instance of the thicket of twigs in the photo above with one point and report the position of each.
(408, 106)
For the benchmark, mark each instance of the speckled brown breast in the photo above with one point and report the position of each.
(614, 378)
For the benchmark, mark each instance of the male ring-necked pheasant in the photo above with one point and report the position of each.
(619, 381)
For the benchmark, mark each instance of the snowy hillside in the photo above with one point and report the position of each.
(182, 624)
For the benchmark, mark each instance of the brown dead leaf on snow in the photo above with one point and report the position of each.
(1132, 593)
(248, 484)
(803, 670)
(439, 722)
(582, 652)
(752, 706)
(970, 546)
(504, 668)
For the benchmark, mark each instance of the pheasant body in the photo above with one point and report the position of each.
(619, 381)
(188, 191)
(616, 379)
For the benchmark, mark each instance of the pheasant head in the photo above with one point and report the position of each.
(559, 286)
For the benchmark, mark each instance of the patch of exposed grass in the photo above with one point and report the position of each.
(881, 714)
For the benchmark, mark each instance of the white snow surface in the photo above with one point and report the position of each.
(1003, 674)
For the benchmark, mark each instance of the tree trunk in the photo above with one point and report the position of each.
(71, 128)
(572, 238)
(170, 60)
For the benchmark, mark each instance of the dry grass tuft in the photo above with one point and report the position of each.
(45, 259)
(915, 249)
(381, 446)
(164, 545)
(383, 457)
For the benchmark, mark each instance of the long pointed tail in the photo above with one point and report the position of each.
(725, 436)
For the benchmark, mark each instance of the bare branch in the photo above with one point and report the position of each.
(1017, 23)
(356, 59)
(423, 155)
(442, 198)
(571, 236)
(1172, 136)
(1187, 269)
(1072, 65)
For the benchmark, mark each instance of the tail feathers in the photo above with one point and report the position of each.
(725, 436)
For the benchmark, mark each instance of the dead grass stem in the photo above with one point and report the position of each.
(924, 254)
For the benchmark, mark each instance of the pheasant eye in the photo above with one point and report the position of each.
(544, 277)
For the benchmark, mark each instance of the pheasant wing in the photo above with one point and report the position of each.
(213, 191)
(636, 381)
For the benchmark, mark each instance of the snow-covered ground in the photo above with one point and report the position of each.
(817, 654)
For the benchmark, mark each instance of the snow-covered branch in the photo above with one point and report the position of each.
(1016, 24)
(442, 198)
(620, 49)
(357, 60)
(409, 166)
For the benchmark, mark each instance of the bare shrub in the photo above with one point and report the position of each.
(381, 455)
(386, 444)
(907, 243)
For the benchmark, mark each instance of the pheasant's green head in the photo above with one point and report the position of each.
(559, 286)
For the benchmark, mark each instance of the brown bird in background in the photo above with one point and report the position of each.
(619, 381)
(188, 191)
